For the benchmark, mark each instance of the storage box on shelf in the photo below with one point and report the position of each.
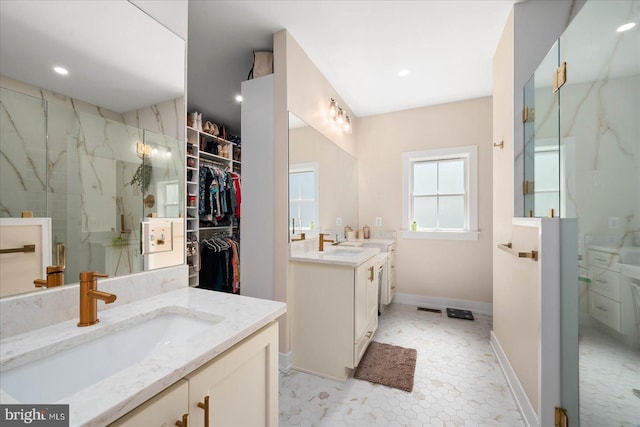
(202, 149)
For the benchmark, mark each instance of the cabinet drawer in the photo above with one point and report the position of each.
(605, 310)
(603, 259)
(605, 282)
(362, 343)
(391, 249)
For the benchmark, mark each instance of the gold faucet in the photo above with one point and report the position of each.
(55, 277)
(322, 241)
(302, 237)
(89, 296)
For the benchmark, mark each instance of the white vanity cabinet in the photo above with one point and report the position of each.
(388, 285)
(241, 385)
(604, 293)
(334, 314)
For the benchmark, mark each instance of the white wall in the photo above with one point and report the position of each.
(429, 268)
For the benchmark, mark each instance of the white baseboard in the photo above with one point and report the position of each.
(442, 303)
(284, 362)
(528, 412)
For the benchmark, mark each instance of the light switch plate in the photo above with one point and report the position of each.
(338, 220)
(157, 236)
(378, 221)
(614, 222)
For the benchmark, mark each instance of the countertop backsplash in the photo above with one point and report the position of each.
(26, 312)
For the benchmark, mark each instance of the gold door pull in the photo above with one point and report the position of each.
(205, 406)
(184, 422)
(25, 249)
(371, 274)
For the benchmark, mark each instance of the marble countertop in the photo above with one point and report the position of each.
(615, 250)
(110, 398)
(336, 255)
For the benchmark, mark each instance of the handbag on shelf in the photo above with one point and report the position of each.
(262, 64)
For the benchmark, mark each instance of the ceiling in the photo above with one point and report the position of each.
(117, 56)
(359, 46)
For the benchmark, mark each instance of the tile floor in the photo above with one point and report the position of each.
(458, 381)
(609, 371)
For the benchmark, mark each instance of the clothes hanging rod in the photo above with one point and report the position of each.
(25, 249)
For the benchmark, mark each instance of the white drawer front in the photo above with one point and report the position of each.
(391, 248)
(605, 282)
(362, 343)
(603, 259)
(605, 310)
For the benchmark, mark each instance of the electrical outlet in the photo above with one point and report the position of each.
(157, 236)
(338, 220)
(614, 222)
(378, 221)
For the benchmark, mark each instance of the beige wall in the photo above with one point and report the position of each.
(301, 88)
(432, 268)
(529, 33)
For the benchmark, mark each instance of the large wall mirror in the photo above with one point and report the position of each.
(96, 150)
(323, 182)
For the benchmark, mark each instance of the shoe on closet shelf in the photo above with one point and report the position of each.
(200, 122)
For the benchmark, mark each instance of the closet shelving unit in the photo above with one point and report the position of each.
(197, 157)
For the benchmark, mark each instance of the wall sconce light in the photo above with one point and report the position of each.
(339, 117)
(147, 150)
(333, 109)
(143, 149)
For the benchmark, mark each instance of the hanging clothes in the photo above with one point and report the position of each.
(219, 196)
(220, 269)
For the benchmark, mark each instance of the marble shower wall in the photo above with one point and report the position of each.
(602, 118)
(74, 162)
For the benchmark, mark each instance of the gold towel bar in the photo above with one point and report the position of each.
(25, 248)
(507, 247)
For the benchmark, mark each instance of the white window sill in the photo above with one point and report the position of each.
(441, 235)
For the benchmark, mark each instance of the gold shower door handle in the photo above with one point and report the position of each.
(205, 406)
(371, 273)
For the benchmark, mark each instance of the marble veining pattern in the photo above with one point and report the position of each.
(458, 381)
(114, 396)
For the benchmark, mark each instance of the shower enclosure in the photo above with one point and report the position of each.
(582, 161)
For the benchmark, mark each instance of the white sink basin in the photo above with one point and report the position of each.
(345, 252)
(630, 257)
(67, 372)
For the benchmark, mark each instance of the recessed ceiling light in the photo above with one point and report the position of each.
(238, 98)
(403, 73)
(626, 27)
(61, 70)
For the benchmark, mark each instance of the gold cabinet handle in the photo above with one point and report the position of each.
(601, 308)
(205, 406)
(369, 334)
(371, 274)
(184, 422)
(604, 282)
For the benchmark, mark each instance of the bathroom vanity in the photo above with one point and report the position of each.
(334, 308)
(152, 361)
(611, 301)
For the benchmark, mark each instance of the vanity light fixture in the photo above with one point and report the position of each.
(333, 109)
(403, 73)
(340, 117)
(61, 70)
(347, 124)
(238, 98)
(143, 149)
(626, 27)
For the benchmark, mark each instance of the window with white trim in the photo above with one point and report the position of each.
(440, 193)
(303, 196)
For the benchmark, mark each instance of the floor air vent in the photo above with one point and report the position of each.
(430, 310)
(459, 314)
